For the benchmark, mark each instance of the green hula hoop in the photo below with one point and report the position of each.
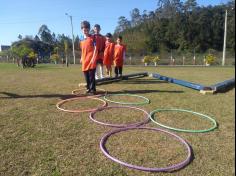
(146, 100)
(184, 130)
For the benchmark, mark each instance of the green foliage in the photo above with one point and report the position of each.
(32, 55)
(22, 51)
(55, 57)
(155, 59)
(3, 53)
(210, 59)
(178, 26)
(147, 59)
(66, 46)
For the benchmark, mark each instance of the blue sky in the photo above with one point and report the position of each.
(26, 16)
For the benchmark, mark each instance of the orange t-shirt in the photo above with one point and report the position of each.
(119, 54)
(100, 44)
(87, 49)
(108, 53)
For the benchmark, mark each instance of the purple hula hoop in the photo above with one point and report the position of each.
(164, 169)
(146, 120)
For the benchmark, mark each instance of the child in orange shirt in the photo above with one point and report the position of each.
(88, 60)
(108, 54)
(119, 56)
(100, 44)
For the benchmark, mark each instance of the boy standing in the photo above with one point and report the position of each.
(88, 60)
(108, 54)
(100, 44)
(119, 56)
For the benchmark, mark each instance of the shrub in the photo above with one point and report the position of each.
(210, 59)
(147, 59)
(155, 59)
(55, 57)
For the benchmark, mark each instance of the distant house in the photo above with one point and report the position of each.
(4, 47)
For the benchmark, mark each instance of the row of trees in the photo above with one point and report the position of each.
(43, 47)
(175, 25)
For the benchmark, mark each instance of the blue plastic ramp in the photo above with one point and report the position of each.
(180, 82)
(225, 85)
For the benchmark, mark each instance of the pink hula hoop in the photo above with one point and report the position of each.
(163, 169)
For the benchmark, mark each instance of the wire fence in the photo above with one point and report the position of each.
(165, 59)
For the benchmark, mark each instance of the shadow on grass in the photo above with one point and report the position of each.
(142, 81)
(9, 95)
(144, 91)
(15, 96)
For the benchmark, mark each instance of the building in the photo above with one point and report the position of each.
(4, 47)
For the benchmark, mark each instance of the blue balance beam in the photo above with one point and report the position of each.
(181, 82)
(224, 86)
(123, 77)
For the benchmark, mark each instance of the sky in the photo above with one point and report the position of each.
(26, 16)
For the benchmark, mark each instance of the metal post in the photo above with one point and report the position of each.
(194, 57)
(73, 41)
(225, 35)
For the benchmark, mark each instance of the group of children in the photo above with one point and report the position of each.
(96, 51)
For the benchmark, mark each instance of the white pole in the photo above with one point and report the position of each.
(73, 40)
(225, 35)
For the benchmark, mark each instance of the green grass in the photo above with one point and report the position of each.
(37, 139)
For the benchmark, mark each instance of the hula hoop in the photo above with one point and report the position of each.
(76, 110)
(184, 130)
(146, 100)
(146, 120)
(98, 95)
(164, 169)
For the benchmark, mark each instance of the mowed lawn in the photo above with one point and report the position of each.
(38, 139)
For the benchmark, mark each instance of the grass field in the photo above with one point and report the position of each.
(37, 139)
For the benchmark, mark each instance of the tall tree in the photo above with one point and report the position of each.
(45, 34)
(135, 17)
(123, 24)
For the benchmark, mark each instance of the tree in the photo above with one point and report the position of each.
(20, 37)
(66, 51)
(26, 54)
(189, 5)
(55, 57)
(123, 24)
(45, 34)
(135, 17)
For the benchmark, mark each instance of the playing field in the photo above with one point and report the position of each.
(38, 139)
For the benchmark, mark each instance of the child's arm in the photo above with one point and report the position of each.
(94, 54)
(124, 56)
(124, 53)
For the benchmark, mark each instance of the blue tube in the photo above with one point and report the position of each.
(222, 86)
(180, 82)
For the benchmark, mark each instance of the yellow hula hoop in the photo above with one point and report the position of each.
(58, 105)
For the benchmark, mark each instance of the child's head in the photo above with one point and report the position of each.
(108, 37)
(85, 26)
(119, 39)
(97, 28)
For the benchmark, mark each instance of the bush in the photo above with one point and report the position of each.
(147, 59)
(55, 57)
(210, 59)
(155, 59)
